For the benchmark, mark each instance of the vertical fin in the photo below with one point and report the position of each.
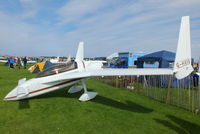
(182, 65)
(80, 52)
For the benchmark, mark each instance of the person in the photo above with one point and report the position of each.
(11, 61)
(19, 62)
(15, 61)
(25, 62)
(195, 77)
(8, 58)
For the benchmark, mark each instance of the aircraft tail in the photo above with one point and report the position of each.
(80, 52)
(182, 65)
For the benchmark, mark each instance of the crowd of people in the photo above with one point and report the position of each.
(18, 62)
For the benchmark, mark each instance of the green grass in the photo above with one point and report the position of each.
(113, 111)
(185, 97)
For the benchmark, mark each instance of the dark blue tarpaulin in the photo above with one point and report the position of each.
(163, 57)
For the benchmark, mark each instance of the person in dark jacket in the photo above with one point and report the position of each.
(8, 58)
(19, 62)
(25, 62)
(11, 61)
(195, 77)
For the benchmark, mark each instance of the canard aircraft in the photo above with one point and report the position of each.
(62, 75)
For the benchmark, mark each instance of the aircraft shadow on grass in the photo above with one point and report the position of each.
(128, 106)
(182, 127)
(24, 104)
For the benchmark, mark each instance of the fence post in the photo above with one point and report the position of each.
(116, 82)
(168, 89)
(189, 107)
(199, 94)
(145, 86)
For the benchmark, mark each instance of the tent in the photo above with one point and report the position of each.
(164, 58)
(39, 67)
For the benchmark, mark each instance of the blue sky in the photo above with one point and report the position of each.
(54, 27)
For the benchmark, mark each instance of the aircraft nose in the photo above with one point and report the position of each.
(12, 95)
(8, 98)
(18, 92)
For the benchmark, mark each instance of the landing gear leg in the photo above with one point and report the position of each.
(75, 89)
(86, 96)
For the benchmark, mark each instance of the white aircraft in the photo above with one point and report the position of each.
(31, 61)
(4, 61)
(62, 75)
(57, 60)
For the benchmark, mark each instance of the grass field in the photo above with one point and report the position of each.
(113, 111)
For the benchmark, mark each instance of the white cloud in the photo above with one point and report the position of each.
(20, 38)
(153, 25)
(28, 3)
(30, 9)
(106, 26)
(76, 9)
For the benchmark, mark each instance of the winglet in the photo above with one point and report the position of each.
(182, 65)
(80, 52)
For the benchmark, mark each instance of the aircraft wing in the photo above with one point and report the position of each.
(117, 72)
(128, 72)
(70, 76)
(112, 72)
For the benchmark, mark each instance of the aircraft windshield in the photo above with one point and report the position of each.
(58, 68)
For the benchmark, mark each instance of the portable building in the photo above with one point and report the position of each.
(125, 60)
